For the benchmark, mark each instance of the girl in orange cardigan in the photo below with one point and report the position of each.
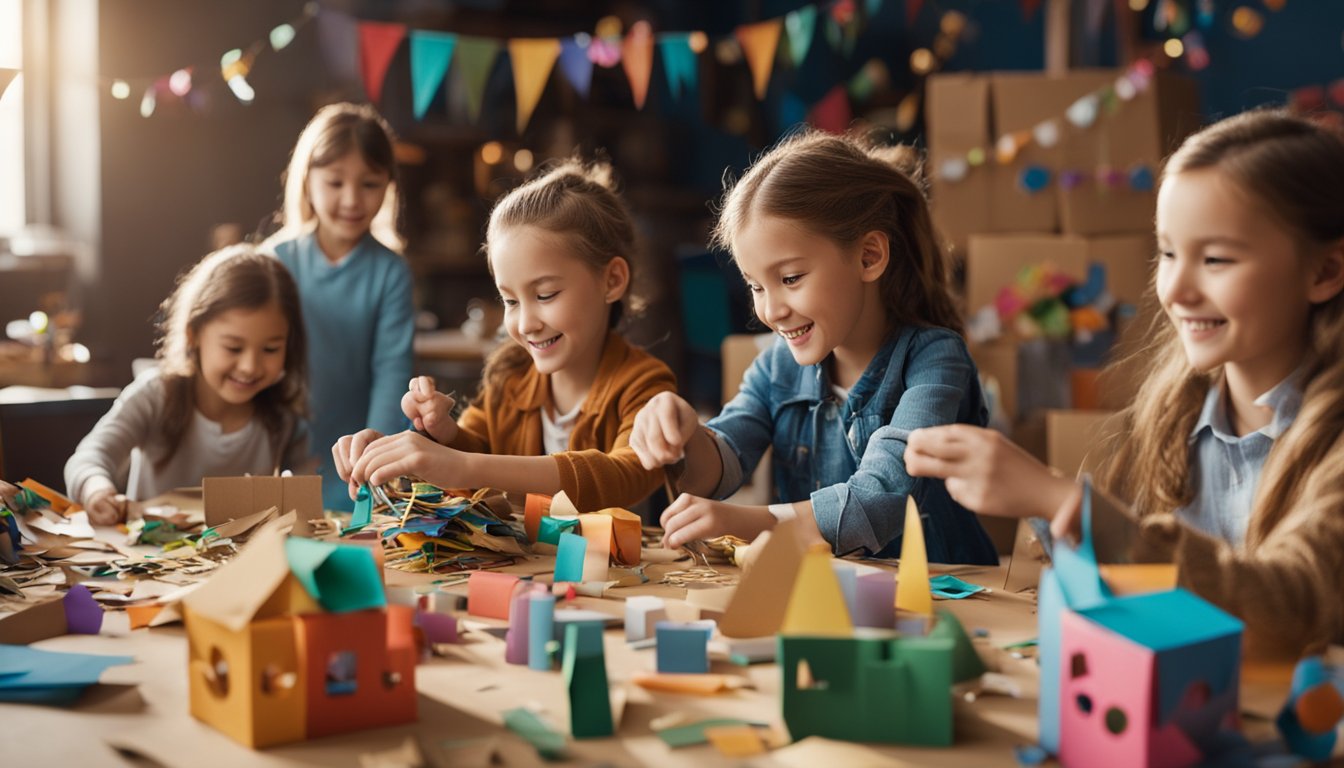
(557, 406)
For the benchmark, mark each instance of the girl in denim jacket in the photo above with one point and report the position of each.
(834, 239)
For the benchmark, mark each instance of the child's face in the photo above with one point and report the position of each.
(346, 196)
(805, 287)
(1230, 277)
(555, 304)
(242, 352)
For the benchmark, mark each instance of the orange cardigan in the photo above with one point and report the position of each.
(600, 469)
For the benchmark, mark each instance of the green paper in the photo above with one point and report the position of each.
(694, 733)
(585, 675)
(342, 577)
(548, 532)
(363, 513)
(966, 663)
(569, 558)
(948, 586)
(548, 743)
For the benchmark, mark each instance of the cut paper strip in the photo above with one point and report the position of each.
(535, 507)
(698, 684)
(817, 604)
(576, 66)
(475, 57)
(83, 614)
(533, 59)
(341, 577)
(596, 530)
(550, 528)
(626, 535)
(802, 27)
(912, 581)
(693, 734)
(679, 62)
(637, 59)
(540, 626)
(759, 42)
(431, 55)
(143, 615)
(378, 43)
(363, 513)
(561, 506)
(569, 559)
(489, 593)
(548, 742)
(735, 740)
(950, 587)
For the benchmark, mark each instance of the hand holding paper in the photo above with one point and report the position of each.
(429, 410)
(986, 472)
(690, 518)
(410, 453)
(347, 452)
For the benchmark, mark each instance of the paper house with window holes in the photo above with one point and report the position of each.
(294, 639)
(1139, 680)
(865, 684)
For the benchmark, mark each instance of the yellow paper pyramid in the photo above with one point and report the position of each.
(817, 604)
(912, 583)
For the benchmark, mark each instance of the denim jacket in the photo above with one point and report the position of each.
(849, 458)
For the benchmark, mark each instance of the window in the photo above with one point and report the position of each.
(12, 211)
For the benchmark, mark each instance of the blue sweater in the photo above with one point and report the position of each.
(359, 317)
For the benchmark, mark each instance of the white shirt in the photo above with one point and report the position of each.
(555, 432)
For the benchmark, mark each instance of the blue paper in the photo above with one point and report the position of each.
(363, 513)
(569, 558)
(683, 648)
(540, 625)
(431, 53)
(50, 669)
(948, 586)
(550, 528)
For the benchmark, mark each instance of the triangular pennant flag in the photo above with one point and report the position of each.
(759, 42)
(431, 53)
(679, 62)
(912, 581)
(1029, 8)
(378, 42)
(475, 59)
(637, 58)
(832, 114)
(912, 11)
(532, 63)
(7, 76)
(802, 26)
(575, 64)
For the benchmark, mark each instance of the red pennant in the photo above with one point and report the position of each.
(1029, 8)
(378, 43)
(912, 11)
(832, 114)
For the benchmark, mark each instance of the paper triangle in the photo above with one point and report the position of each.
(832, 114)
(912, 583)
(378, 43)
(679, 62)
(431, 54)
(802, 27)
(637, 58)
(576, 66)
(817, 604)
(759, 43)
(234, 593)
(561, 506)
(475, 59)
(532, 59)
(762, 597)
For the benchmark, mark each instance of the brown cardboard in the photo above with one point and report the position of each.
(993, 261)
(958, 106)
(230, 498)
(35, 622)
(1074, 439)
(998, 360)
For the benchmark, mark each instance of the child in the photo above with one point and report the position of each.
(836, 245)
(339, 189)
(1230, 454)
(226, 399)
(560, 249)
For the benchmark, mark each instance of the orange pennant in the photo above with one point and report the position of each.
(378, 43)
(759, 42)
(532, 63)
(637, 58)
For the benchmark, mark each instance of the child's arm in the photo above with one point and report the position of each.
(392, 349)
(382, 459)
(667, 430)
(103, 455)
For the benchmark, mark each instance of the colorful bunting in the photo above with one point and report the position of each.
(802, 27)
(378, 43)
(532, 59)
(679, 62)
(431, 54)
(475, 59)
(575, 64)
(759, 42)
(832, 113)
(637, 57)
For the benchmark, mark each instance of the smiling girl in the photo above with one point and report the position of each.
(557, 405)
(227, 398)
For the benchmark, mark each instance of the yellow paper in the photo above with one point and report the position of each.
(817, 604)
(532, 62)
(1138, 578)
(912, 583)
(759, 42)
(735, 740)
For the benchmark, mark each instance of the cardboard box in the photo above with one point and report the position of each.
(1074, 439)
(230, 498)
(993, 262)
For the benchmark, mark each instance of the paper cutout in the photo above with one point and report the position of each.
(489, 593)
(585, 674)
(597, 533)
(762, 598)
(949, 587)
(637, 59)
(34, 676)
(363, 512)
(561, 506)
(912, 584)
(759, 42)
(235, 498)
(817, 604)
(535, 507)
(550, 528)
(532, 60)
(549, 743)
(569, 559)
(540, 629)
(626, 535)
(254, 576)
(431, 55)
(60, 503)
(475, 57)
(802, 26)
(576, 65)
(680, 64)
(83, 614)
(341, 577)
(683, 648)
(693, 734)
(677, 682)
(1138, 578)
(378, 43)
(735, 740)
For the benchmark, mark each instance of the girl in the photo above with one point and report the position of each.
(1230, 454)
(560, 249)
(340, 189)
(226, 399)
(836, 245)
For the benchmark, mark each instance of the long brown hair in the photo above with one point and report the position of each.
(576, 200)
(1295, 168)
(333, 133)
(236, 277)
(842, 188)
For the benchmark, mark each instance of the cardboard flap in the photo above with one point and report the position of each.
(231, 498)
(763, 595)
(235, 593)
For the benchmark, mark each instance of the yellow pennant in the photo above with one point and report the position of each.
(912, 582)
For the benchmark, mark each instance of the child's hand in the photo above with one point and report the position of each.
(662, 428)
(986, 472)
(347, 452)
(690, 518)
(430, 410)
(106, 507)
(408, 453)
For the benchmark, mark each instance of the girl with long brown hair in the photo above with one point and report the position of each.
(1231, 456)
